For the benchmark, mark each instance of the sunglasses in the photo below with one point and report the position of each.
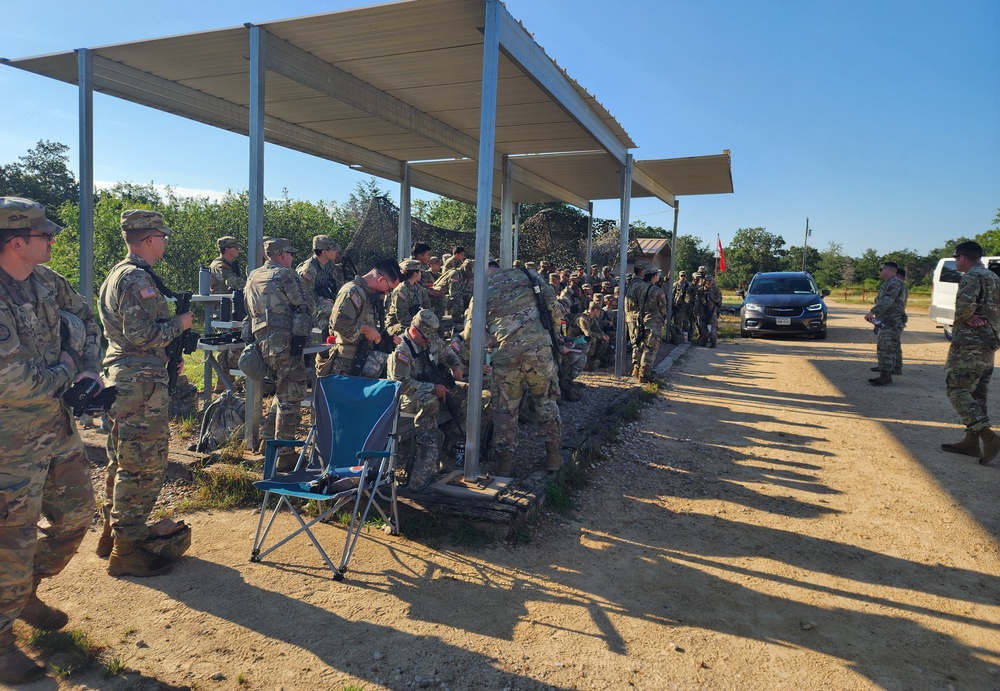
(49, 237)
(165, 238)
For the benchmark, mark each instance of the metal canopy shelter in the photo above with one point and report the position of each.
(372, 88)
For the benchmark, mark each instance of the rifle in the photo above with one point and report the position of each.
(440, 374)
(545, 317)
(185, 344)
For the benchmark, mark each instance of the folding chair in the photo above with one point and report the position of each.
(354, 422)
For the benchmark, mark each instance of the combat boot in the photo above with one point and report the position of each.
(15, 666)
(553, 459)
(106, 541)
(504, 462)
(991, 446)
(129, 559)
(635, 370)
(40, 615)
(882, 379)
(895, 370)
(968, 446)
(569, 393)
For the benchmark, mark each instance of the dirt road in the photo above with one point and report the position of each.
(771, 522)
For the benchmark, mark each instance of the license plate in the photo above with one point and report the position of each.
(783, 321)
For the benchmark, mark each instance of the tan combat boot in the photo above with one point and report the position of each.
(15, 666)
(568, 392)
(40, 615)
(636, 370)
(553, 459)
(129, 559)
(106, 541)
(991, 446)
(968, 446)
(882, 379)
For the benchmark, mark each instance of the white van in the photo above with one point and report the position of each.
(945, 288)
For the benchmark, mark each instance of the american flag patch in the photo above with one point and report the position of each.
(403, 357)
(148, 292)
(356, 300)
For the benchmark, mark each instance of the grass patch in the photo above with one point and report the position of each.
(69, 650)
(223, 486)
(558, 498)
(729, 326)
(194, 368)
(190, 425)
(114, 665)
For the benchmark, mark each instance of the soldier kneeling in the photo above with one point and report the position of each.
(416, 364)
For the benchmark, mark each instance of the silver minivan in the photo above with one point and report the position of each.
(944, 289)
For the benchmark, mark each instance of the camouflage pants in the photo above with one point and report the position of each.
(649, 346)
(137, 453)
(290, 382)
(888, 344)
(533, 372)
(427, 409)
(632, 326)
(710, 329)
(43, 473)
(967, 374)
(682, 318)
(572, 365)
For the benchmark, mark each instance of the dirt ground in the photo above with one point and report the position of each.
(771, 522)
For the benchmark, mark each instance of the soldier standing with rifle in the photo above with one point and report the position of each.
(319, 277)
(417, 363)
(633, 321)
(711, 302)
(652, 315)
(138, 326)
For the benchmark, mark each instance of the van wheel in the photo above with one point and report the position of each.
(949, 332)
(821, 335)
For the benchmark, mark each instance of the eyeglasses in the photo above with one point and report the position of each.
(165, 238)
(49, 237)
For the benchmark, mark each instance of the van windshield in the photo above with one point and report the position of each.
(782, 286)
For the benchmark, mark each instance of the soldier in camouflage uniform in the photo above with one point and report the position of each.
(969, 366)
(43, 470)
(901, 275)
(889, 309)
(633, 290)
(587, 325)
(319, 276)
(138, 326)
(406, 299)
(454, 260)
(710, 302)
(358, 313)
(653, 314)
(681, 316)
(458, 283)
(280, 317)
(415, 364)
(522, 360)
(225, 269)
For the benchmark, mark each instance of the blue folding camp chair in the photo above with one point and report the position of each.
(347, 458)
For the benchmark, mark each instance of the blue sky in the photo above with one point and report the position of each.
(877, 119)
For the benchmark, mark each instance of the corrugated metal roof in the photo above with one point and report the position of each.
(652, 246)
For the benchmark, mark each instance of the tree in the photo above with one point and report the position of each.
(792, 261)
(829, 271)
(752, 250)
(866, 267)
(990, 239)
(42, 175)
(692, 252)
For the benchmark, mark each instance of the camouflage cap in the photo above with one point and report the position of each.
(605, 284)
(587, 286)
(652, 270)
(410, 265)
(426, 322)
(275, 246)
(17, 213)
(530, 265)
(641, 265)
(553, 277)
(710, 277)
(683, 273)
(143, 220)
(227, 241)
(434, 260)
(467, 264)
(697, 274)
(596, 305)
(599, 298)
(325, 242)
(606, 269)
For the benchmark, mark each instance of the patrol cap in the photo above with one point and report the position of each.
(596, 305)
(710, 277)
(641, 266)
(599, 298)
(426, 322)
(275, 246)
(434, 260)
(228, 241)
(683, 273)
(587, 286)
(17, 213)
(653, 270)
(553, 277)
(605, 284)
(325, 242)
(697, 274)
(143, 223)
(530, 265)
(410, 265)
(606, 269)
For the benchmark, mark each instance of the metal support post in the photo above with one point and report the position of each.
(255, 231)
(517, 228)
(805, 245)
(670, 281)
(626, 190)
(484, 205)
(590, 238)
(507, 214)
(85, 80)
(403, 239)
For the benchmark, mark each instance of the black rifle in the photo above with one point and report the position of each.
(185, 344)
(440, 374)
(545, 317)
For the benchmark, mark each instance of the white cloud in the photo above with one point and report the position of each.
(213, 195)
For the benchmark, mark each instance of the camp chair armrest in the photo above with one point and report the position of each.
(271, 453)
(362, 455)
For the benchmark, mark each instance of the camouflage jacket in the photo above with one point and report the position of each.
(583, 325)
(137, 322)
(709, 300)
(31, 376)
(404, 302)
(633, 296)
(455, 283)
(889, 307)
(512, 317)
(654, 309)
(978, 294)
(416, 367)
(225, 276)
(354, 308)
(276, 300)
(320, 284)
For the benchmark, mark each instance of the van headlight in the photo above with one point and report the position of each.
(815, 307)
(753, 307)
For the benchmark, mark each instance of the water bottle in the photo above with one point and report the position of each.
(204, 281)
(878, 327)
(460, 454)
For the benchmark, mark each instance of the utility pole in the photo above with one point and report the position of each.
(805, 245)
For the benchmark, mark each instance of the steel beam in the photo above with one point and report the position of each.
(517, 228)
(255, 231)
(487, 135)
(537, 182)
(85, 82)
(405, 225)
(507, 214)
(590, 237)
(652, 186)
(626, 203)
(447, 188)
(670, 281)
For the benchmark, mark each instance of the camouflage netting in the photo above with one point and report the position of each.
(550, 234)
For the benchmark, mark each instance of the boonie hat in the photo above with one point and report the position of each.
(325, 242)
(275, 246)
(143, 220)
(18, 213)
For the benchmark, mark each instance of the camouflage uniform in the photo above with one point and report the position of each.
(459, 289)
(711, 301)
(633, 297)
(654, 315)
(583, 325)
(681, 314)
(969, 366)
(319, 283)
(428, 278)
(889, 308)
(899, 345)
(226, 278)
(43, 470)
(138, 326)
(404, 302)
(278, 309)
(416, 368)
(354, 308)
(522, 358)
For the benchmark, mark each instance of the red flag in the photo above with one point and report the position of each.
(722, 255)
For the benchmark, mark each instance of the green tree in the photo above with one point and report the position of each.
(752, 250)
(866, 266)
(692, 252)
(792, 261)
(990, 239)
(42, 175)
(829, 271)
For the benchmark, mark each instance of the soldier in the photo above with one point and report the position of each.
(415, 364)
(888, 310)
(406, 299)
(522, 360)
(43, 470)
(429, 278)
(710, 303)
(652, 304)
(455, 260)
(138, 326)
(225, 269)
(359, 314)
(632, 321)
(901, 275)
(422, 253)
(969, 366)
(458, 283)
(588, 326)
(679, 295)
(279, 314)
(319, 275)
